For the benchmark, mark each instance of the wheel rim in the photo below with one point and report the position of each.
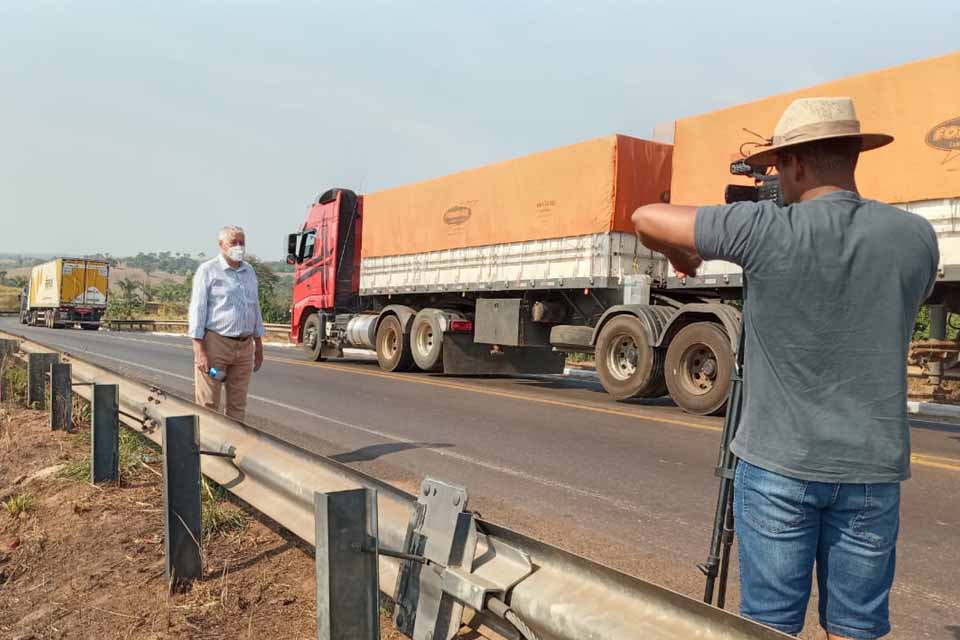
(424, 339)
(622, 357)
(310, 338)
(698, 369)
(390, 343)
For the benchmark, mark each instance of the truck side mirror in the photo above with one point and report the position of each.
(292, 241)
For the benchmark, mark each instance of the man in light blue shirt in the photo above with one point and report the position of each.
(226, 325)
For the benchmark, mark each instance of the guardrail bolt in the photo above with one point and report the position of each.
(61, 397)
(181, 498)
(38, 365)
(105, 439)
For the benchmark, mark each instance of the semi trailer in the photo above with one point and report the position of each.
(65, 292)
(507, 268)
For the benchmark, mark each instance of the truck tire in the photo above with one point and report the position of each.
(699, 368)
(569, 336)
(626, 363)
(312, 340)
(393, 346)
(426, 340)
(90, 327)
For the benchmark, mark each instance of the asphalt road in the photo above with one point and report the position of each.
(629, 485)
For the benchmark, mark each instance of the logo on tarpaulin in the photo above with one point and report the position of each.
(946, 137)
(459, 213)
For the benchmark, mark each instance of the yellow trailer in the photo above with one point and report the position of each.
(66, 292)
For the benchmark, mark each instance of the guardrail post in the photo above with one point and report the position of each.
(938, 321)
(181, 498)
(7, 347)
(105, 439)
(38, 364)
(348, 597)
(61, 397)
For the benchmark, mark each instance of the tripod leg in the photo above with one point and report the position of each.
(725, 556)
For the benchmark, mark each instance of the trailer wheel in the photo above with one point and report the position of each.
(699, 367)
(312, 340)
(626, 363)
(426, 340)
(393, 346)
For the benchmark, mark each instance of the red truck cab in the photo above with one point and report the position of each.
(326, 255)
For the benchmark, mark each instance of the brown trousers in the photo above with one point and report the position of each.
(236, 358)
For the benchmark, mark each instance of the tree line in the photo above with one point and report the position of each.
(276, 294)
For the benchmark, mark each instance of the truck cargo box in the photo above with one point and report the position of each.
(574, 191)
(598, 260)
(918, 103)
(66, 282)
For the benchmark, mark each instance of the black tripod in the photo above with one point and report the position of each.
(718, 562)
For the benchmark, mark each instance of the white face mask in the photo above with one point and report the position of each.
(237, 252)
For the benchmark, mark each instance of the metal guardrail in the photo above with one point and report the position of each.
(562, 597)
(147, 324)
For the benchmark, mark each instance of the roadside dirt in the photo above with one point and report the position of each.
(79, 561)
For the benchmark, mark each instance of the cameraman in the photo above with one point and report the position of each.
(835, 283)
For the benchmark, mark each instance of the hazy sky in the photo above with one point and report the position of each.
(135, 126)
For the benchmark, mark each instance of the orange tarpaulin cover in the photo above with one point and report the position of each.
(591, 187)
(917, 103)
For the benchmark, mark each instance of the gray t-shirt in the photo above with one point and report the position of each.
(833, 289)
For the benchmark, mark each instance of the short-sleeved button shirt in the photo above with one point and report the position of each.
(833, 289)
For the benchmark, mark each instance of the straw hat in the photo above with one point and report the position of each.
(811, 119)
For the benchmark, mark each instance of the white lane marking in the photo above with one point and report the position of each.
(617, 503)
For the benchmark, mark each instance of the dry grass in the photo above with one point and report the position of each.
(81, 412)
(20, 503)
(13, 377)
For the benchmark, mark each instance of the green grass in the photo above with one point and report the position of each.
(218, 516)
(132, 449)
(20, 503)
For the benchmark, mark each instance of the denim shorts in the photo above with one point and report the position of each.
(784, 526)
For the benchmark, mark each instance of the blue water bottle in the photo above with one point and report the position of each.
(217, 374)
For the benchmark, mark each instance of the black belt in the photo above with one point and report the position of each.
(237, 338)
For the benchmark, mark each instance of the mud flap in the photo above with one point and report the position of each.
(462, 356)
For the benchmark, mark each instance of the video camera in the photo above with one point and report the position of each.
(766, 187)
